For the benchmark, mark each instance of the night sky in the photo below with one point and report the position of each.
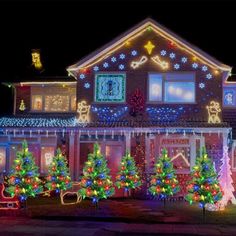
(66, 31)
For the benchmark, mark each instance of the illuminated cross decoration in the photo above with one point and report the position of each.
(149, 47)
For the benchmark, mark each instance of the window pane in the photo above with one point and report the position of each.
(56, 103)
(73, 103)
(180, 76)
(47, 154)
(179, 92)
(155, 87)
(37, 102)
(229, 97)
(2, 159)
(110, 88)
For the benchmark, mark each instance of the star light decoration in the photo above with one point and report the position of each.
(149, 47)
(163, 52)
(87, 85)
(82, 76)
(113, 59)
(176, 66)
(201, 85)
(172, 55)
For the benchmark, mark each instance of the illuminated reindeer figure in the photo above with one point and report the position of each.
(213, 112)
(83, 111)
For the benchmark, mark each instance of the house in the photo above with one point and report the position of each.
(146, 90)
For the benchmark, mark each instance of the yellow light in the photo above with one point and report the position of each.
(127, 44)
(83, 110)
(216, 72)
(36, 62)
(95, 192)
(194, 58)
(213, 112)
(75, 186)
(149, 47)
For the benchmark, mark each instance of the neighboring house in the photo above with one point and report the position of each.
(146, 90)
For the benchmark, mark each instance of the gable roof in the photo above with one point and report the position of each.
(119, 41)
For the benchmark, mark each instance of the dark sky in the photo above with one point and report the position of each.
(65, 31)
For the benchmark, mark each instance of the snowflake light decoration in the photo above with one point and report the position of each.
(201, 85)
(105, 64)
(96, 68)
(113, 59)
(82, 76)
(195, 65)
(163, 52)
(184, 59)
(121, 67)
(209, 76)
(122, 56)
(176, 66)
(87, 85)
(204, 68)
(134, 53)
(172, 55)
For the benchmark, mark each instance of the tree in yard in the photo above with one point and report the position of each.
(164, 183)
(58, 173)
(204, 186)
(96, 183)
(226, 180)
(23, 179)
(128, 177)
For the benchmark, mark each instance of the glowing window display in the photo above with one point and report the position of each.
(229, 97)
(155, 87)
(58, 103)
(37, 103)
(47, 154)
(73, 103)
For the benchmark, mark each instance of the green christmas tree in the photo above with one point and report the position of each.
(58, 173)
(128, 177)
(204, 186)
(96, 183)
(23, 179)
(164, 183)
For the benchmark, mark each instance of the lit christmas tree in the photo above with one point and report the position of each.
(164, 183)
(226, 180)
(22, 106)
(23, 178)
(58, 173)
(96, 184)
(204, 186)
(128, 177)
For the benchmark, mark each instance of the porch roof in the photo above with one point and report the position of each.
(70, 121)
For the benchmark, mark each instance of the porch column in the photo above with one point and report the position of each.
(147, 154)
(128, 141)
(192, 151)
(77, 157)
(202, 144)
(72, 155)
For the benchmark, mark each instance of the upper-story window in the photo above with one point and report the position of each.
(171, 87)
(53, 98)
(110, 87)
(229, 97)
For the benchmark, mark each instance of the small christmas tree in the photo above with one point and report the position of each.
(58, 178)
(204, 186)
(23, 179)
(128, 177)
(164, 183)
(96, 184)
(22, 106)
(226, 180)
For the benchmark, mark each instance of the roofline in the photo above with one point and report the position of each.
(133, 33)
(46, 82)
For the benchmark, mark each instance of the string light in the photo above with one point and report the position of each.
(213, 112)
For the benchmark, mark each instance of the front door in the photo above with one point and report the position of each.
(114, 151)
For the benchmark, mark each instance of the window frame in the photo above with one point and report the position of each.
(43, 94)
(223, 93)
(165, 79)
(111, 73)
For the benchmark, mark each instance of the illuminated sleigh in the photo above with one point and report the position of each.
(70, 192)
(8, 203)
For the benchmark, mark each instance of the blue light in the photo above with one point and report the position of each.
(204, 68)
(184, 59)
(209, 76)
(105, 65)
(95, 200)
(121, 67)
(195, 65)
(87, 85)
(163, 52)
(82, 76)
(176, 66)
(172, 55)
(122, 56)
(113, 59)
(134, 53)
(96, 68)
(201, 85)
